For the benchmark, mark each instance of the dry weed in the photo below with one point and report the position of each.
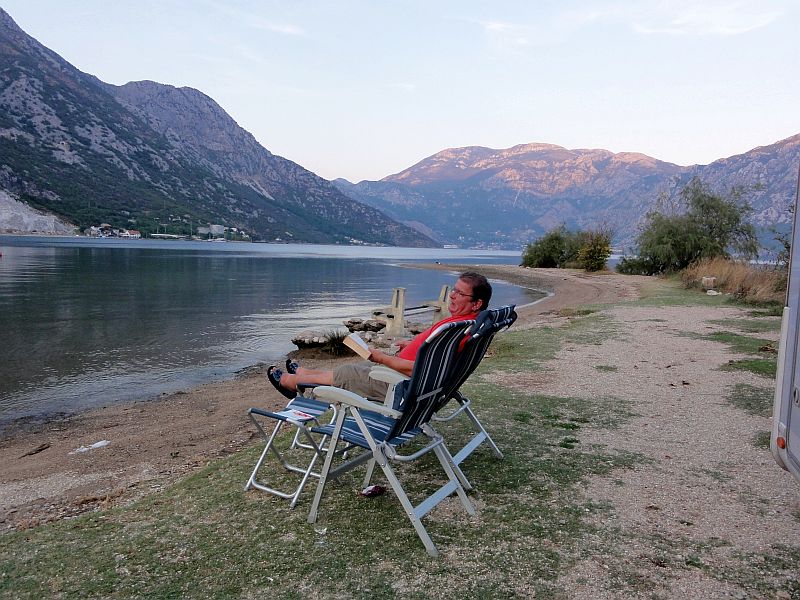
(746, 281)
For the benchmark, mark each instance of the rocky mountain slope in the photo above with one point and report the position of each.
(16, 216)
(150, 156)
(482, 196)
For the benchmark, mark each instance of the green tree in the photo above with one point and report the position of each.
(560, 248)
(711, 226)
(595, 249)
(549, 251)
(784, 240)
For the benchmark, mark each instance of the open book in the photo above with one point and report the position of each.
(357, 345)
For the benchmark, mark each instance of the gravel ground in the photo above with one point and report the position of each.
(706, 482)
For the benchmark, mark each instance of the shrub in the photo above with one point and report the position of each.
(560, 248)
(636, 265)
(711, 226)
(334, 342)
(595, 249)
(549, 251)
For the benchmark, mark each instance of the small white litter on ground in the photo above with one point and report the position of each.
(100, 444)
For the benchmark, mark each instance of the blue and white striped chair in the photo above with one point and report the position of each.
(488, 323)
(380, 430)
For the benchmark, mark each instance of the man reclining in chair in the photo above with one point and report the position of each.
(469, 296)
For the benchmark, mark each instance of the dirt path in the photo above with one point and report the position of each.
(708, 498)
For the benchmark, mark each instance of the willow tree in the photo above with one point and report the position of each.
(710, 225)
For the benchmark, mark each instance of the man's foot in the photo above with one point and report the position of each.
(292, 366)
(274, 375)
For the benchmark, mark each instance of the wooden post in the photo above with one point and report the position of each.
(442, 303)
(392, 315)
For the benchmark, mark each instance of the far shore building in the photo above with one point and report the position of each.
(105, 230)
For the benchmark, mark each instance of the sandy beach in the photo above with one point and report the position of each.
(43, 476)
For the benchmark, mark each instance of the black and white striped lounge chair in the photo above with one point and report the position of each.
(381, 430)
(488, 323)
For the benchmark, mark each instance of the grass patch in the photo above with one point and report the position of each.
(715, 474)
(576, 312)
(752, 399)
(758, 575)
(750, 325)
(759, 366)
(762, 440)
(742, 344)
(527, 351)
(765, 357)
(669, 291)
(569, 426)
(771, 310)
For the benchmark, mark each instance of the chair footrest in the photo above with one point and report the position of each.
(301, 410)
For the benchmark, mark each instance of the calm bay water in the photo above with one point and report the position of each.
(92, 322)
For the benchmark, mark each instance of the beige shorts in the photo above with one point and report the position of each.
(354, 377)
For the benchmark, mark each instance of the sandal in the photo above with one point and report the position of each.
(292, 366)
(274, 376)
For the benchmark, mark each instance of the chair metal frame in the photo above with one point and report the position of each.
(487, 325)
(380, 430)
(300, 413)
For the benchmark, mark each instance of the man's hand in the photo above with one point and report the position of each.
(398, 364)
(377, 356)
(402, 343)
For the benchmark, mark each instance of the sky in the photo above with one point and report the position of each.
(363, 89)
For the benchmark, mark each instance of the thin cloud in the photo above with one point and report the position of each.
(283, 28)
(496, 26)
(719, 18)
(680, 17)
(407, 88)
(253, 20)
(505, 34)
(677, 17)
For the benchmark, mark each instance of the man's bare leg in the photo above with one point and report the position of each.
(303, 375)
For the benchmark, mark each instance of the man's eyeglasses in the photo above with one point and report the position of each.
(460, 293)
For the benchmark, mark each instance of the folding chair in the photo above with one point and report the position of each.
(300, 413)
(380, 430)
(488, 323)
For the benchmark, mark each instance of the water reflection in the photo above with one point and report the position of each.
(84, 325)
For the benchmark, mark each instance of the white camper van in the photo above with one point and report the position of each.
(785, 439)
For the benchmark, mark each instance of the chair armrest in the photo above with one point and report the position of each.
(387, 375)
(333, 394)
(390, 376)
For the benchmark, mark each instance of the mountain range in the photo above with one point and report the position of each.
(154, 157)
(505, 198)
(150, 156)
